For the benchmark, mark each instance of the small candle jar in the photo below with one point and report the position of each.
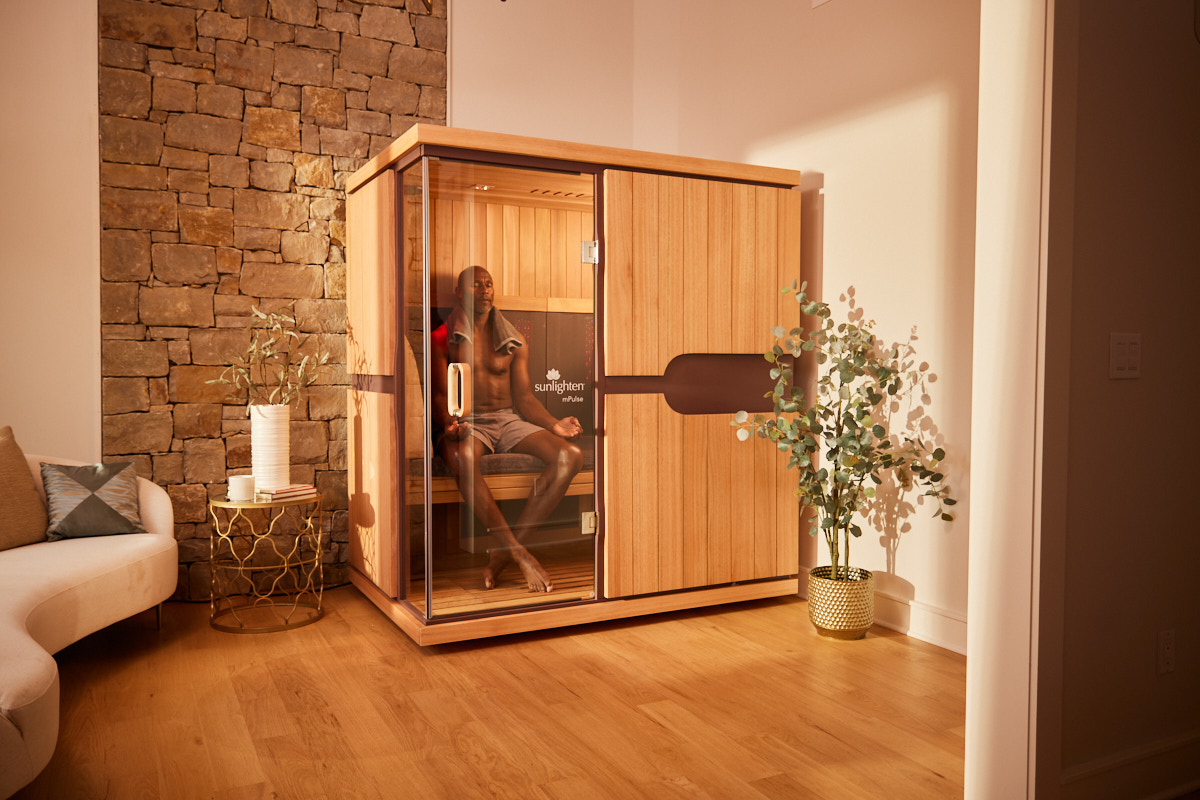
(241, 488)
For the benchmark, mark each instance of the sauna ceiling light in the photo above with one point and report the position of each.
(482, 187)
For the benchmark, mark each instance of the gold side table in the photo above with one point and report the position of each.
(265, 560)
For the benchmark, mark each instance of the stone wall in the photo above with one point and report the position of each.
(227, 131)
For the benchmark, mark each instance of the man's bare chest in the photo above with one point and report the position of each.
(483, 359)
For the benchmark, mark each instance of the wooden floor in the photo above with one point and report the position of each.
(738, 702)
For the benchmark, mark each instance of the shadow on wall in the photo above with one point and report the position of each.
(896, 498)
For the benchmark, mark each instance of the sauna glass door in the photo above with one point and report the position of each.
(507, 367)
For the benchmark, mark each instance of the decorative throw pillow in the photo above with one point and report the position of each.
(24, 519)
(95, 500)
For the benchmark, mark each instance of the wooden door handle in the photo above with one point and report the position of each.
(458, 389)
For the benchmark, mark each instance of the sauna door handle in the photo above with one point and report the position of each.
(458, 389)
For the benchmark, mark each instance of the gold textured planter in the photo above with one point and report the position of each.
(841, 609)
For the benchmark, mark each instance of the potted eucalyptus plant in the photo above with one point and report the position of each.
(271, 374)
(840, 446)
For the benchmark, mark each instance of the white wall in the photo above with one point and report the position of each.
(50, 226)
(878, 98)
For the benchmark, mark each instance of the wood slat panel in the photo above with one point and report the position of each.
(618, 272)
(541, 253)
(744, 301)
(460, 233)
(371, 277)
(720, 268)
(696, 326)
(721, 291)
(720, 540)
(672, 312)
(495, 240)
(790, 233)
(560, 271)
(526, 266)
(644, 331)
(742, 269)
(373, 488)
(510, 264)
(441, 252)
(617, 516)
(766, 295)
(478, 252)
(647, 473)
(721, 516)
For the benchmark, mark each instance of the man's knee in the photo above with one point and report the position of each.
(569, 461)
(461, 456)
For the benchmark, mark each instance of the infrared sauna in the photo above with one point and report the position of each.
(546, 342)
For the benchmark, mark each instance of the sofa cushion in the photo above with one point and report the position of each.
(24, 513)
(91, 500)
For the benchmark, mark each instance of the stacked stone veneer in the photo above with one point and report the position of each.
(227, 131)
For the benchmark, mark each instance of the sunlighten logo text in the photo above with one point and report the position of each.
(557, 386)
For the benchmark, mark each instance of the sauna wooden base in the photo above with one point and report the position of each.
(541, 619)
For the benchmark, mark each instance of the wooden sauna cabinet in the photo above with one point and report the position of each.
(676, 310)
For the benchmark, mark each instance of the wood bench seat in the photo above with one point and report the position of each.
(510, 476)
(504, 487)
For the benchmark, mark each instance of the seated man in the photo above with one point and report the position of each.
(506, 417)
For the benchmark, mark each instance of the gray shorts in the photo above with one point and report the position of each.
(501, 431)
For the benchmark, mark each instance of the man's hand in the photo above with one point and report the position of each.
(568, 428)
(457, 431)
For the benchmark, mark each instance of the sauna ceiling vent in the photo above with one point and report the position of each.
(552, 193)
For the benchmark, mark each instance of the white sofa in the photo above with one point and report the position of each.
(55, 593)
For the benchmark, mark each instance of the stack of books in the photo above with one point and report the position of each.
(297, 491)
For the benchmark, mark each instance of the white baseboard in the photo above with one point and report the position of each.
(923, 621)
(938, 626)
(1156, 770)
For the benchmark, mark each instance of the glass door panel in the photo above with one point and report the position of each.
(413, 325)
(509, 344)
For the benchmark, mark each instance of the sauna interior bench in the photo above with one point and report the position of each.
(510, 476)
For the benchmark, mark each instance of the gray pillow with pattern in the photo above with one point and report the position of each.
(93, 500)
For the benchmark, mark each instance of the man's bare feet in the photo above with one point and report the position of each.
(536, 577)
(496, 565)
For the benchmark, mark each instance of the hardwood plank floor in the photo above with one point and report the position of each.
(742, 701)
